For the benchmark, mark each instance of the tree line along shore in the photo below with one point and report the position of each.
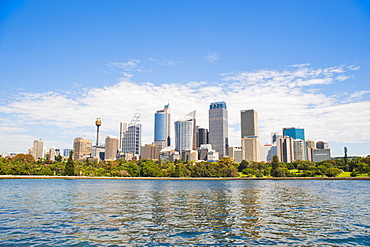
(25, 164)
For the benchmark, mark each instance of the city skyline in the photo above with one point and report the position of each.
(298, 64)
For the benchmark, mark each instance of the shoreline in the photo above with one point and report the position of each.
(180, 178)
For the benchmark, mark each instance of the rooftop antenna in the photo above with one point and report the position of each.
(98, 124)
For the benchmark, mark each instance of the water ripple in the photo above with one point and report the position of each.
(182, 213)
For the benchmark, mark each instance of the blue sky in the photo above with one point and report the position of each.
(297, 63)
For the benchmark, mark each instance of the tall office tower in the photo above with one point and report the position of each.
(38, 149)
(310, 145)
(251, 148)
(299, 149)
(295, 133)
(285, 149)
(122, 129)
(249, 134)
(81, 148)
(249, 123)
(111, 147)
(218, 128)
(52, 154)
(162, 119)
(201, 135)
(322, 145)
(131, 141)
(274, 137)
(185, 133)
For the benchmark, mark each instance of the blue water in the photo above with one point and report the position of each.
(63, 212)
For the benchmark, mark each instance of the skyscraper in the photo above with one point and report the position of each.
(122, 130)
(38, 149)
(201, 136)
(285, 149)
(162, 119)
(81, 148)
(218, 128)
(249, 134)
(111, 147)
(299, 149)
(131, 140)
(295, 133)
(249, 123)
(185, 133)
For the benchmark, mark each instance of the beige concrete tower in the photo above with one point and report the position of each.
(111, 147)
(81, 148)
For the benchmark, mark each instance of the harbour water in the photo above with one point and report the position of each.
(95, 212)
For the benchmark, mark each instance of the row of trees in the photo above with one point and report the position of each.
(26, 165)
(305, 168)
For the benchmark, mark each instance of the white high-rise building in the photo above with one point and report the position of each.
(285, 149)
(299, 149)
(122, 130)
(185, 133)
(38, 149)
(131, 139)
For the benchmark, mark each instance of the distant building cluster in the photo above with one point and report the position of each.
(193, 142)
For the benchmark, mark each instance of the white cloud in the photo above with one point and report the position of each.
(126, 66)
(280, 98)
(212, 57)
(164, 61)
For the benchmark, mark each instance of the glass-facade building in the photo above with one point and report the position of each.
(131, 141)
(218, 128)
(185, 133)
(162, 127)
(296, 133)
(249, 123)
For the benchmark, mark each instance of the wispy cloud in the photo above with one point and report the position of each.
(126, 66)
(282, 98)
(212, 57)
(163, 61)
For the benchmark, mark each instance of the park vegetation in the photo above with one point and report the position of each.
(25, 164)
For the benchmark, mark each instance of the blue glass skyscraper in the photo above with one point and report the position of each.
(162, 127)
(296, 133)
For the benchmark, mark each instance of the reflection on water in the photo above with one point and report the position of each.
(183, 212)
